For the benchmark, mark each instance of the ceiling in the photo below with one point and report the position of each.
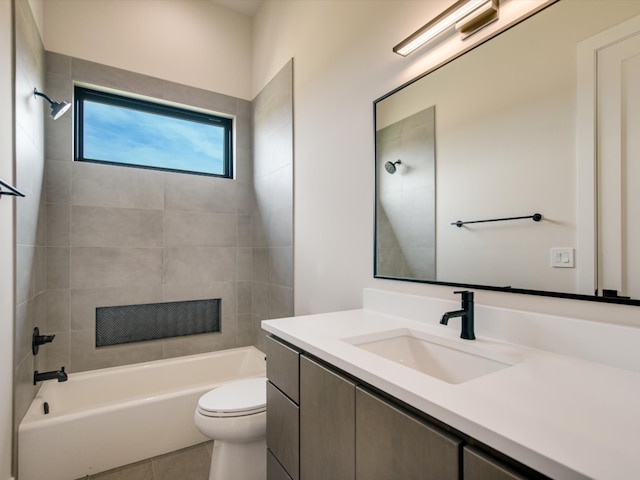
(246, 7)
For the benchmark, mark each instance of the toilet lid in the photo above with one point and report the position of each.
(238, 398)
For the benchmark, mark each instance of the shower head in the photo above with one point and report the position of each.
(390, 167)
(57, 108)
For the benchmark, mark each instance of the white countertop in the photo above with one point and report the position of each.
(566, 417)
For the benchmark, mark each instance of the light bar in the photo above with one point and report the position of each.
(442, 22)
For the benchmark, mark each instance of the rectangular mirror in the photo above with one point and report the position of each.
(505, 142)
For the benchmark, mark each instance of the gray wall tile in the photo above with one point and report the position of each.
(199, 264)
(24, 272)
(85, 355)
(260, 300)
(281, 266)
(200, 229)
(186, 95)
(245, 264)
(58, 64)
(105, 76)
(116, 227)
(261, 272)
(280, 231)
(281, 302)
(58, 221)
(104, 267)
(57, 267)
(25, 322)
(58, 145)
(58, 313)
(246, 327)
(245, 292)
(58, 182)
(112, 186)
(243, 168)
(39, 270)
(206, 342)
(244, 230)
(200, 193)
(225, 291)
(58, 353)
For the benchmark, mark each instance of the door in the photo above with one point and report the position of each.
(618, 165)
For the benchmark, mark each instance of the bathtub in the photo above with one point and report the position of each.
(111, 417)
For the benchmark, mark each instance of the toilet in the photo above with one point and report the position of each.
(234, 416)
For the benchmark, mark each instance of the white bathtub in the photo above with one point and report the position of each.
(107, 418)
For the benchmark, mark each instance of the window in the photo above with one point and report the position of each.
(128, 131)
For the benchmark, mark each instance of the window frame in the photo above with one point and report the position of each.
(84, 93)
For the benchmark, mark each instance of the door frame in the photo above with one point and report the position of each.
(587, 150)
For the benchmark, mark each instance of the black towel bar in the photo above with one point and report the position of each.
(536, 218)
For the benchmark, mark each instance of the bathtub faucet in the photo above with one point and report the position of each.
(59, 375)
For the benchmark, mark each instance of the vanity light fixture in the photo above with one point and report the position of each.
(468, 16)
(57, 108)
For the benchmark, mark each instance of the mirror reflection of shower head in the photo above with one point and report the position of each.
(57, 108)
(390, 167)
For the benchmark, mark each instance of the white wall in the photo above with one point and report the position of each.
(343, 61)
(193, 42)
(7, 241)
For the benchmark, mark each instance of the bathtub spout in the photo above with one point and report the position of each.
(59, 375)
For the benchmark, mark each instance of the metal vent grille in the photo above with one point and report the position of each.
(153, 321)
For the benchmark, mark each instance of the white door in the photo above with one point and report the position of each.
(618, 165)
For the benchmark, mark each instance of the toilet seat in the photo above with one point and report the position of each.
(235, 399)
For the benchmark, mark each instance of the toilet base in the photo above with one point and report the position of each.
(239, 461)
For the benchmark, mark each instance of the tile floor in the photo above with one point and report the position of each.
(188, 464)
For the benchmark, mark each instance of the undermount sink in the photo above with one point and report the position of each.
(437, 357)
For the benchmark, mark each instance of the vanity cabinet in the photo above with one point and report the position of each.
(391, 443)
(327, 423)
(283, 417)
(324, 424)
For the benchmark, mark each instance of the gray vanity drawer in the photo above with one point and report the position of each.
(479, 466)
(283, 430)
(392, 443)
(274, 469)
(283, 368)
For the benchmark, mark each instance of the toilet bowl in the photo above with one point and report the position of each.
(234, 416)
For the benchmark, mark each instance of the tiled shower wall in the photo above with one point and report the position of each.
(273, 219)
(119, 235)
(30, 219)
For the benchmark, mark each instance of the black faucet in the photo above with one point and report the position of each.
(466, 314)
(59, 375)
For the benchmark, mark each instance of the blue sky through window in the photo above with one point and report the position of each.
(122, 135)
